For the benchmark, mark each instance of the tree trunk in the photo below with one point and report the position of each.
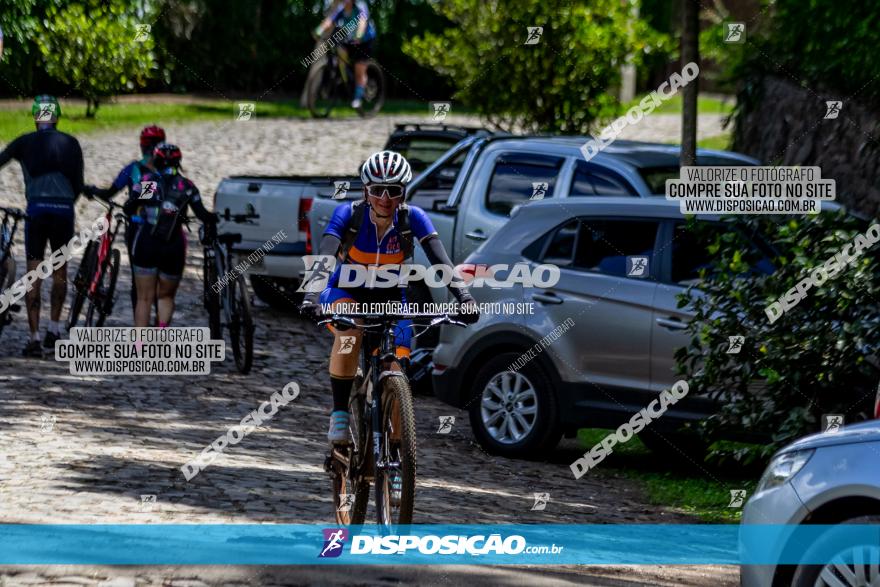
(690, 52)
(91, 107)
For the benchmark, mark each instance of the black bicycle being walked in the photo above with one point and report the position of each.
(225, 293)
(8, 227)
(95, 280)
(382, 448)
(332, 83)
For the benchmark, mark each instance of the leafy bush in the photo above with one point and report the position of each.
(94, 48)
(818, 358)
(558, 84)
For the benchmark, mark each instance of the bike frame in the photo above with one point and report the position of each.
(222, 259)
(104, 248)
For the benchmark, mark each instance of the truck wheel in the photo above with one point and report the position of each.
(514, 413)
(280, 294)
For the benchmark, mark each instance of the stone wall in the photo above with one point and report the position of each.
(785, 125)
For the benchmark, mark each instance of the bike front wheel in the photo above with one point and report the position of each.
(241, 327)
(396, 474)
(323, 93)
(111, 273)
(351, 489)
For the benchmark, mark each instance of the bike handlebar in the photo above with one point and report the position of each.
(14, 212)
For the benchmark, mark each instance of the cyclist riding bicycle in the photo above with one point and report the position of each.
(377, 230)
(353, 17)
(158, 249)
(131, 175)
(52, 165)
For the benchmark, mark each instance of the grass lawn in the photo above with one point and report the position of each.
(698, 489)
(14, 122)
(705, 105)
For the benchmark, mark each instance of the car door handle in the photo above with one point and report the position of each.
(476, 235)
(672, 323)
(548, 298)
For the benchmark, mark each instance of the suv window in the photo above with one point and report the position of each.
(590, 180)
(689, 255)
(604, 245)
(518, 177)
(438, 185)
(420, 152)
(560, 249)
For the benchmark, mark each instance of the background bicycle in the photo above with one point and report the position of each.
(8, 227)
(225, 293)
(382, 426)
(95, 280)
(331, 83)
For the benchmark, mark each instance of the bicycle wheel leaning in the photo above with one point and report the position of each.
(374, 92)
(81, 282)
(107, 295)
(210, 298)
(396, 482)
(4, 315)
(98, 305)
(241, 327)
(350, 487)
(323, 93)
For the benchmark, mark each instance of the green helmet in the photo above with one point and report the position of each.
(46, 108)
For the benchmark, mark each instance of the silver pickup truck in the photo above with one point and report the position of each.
(283, 204)
(471, 190)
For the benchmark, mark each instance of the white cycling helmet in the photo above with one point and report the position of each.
(386, 167)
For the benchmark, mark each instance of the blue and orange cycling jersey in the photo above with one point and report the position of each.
(368, 248)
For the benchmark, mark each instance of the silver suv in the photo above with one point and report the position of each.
(623, 261)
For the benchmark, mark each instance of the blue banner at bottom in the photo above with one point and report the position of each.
(516, 544)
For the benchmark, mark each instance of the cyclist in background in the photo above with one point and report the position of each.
(158, 249)
(52, 165)
(130, 175)
(358, 44)
(375, 231)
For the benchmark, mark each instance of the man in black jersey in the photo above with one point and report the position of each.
(52, 165)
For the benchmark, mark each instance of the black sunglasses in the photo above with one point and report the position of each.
(378, 189)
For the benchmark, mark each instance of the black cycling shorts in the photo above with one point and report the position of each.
(46, 227)
(154, 256)
(360, 51)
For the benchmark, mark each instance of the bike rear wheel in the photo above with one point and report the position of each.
(81, 282)
(374, 92)
(323, 94)
(241, 327)
(396, 481)
(4, 315)
(111, 274)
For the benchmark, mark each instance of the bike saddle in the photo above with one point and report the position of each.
(229, 238)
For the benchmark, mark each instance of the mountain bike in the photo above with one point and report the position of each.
(95, 280)
(8, 226)
(225, 293)
(332, 83)
(382, 446)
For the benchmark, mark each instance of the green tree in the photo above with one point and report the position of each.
(97, 48)
(559, 83)
(819, 357)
